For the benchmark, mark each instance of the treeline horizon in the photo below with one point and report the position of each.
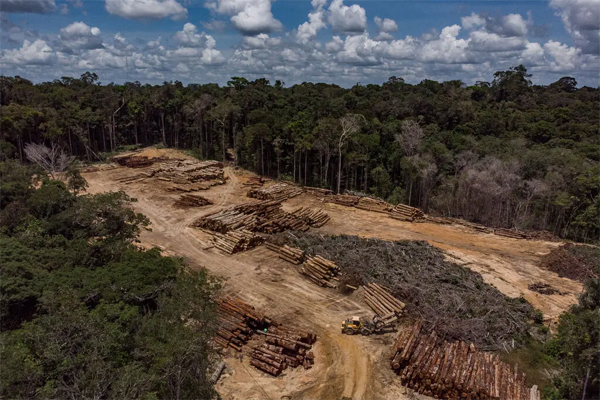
(504, 153)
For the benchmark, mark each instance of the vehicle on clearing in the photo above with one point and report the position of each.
(357, 325)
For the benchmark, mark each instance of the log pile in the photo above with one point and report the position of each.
(382, 302)
(287, 253)
(455, 370)
(283, 347)
(236, 241)
(511, 233)
(321, 271)
(406, 213)
(190, 200)
(343, 200)
(237, 322)
(279, 192)
(370, 204)
(255, 182)
(316, 218)
(262, 216)
(318, 191)
(134, 161)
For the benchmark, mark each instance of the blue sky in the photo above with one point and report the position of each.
(334, 41)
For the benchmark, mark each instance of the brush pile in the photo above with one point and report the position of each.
(455, 370)
(452, 299)
(315, 218)
(278, 192)
(262, 216)
(190, 200)
(321, 271)
(382, 302)
(406, 213)
(287, 253)
(236, 241)
(377, 205)
(543, 288)
(577, 262)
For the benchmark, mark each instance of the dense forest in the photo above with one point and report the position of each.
(504, 153)
(84, 313)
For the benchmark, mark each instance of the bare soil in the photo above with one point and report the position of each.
(346, 367)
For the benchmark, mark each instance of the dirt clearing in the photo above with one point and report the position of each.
(345, 366)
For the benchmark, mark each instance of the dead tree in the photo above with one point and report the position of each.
(350, 124)
(52, 159)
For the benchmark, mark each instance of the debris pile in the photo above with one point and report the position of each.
(279, 192)
(456, 370)
(406, 213)
(382, 302)
(321, 271)
(190, 200)
(236, 241)
(574, 262)
(262, 216)
(280, 346)
(369, 204)
(452, 299)
(544, 288)
(315, 218)
(287, 253)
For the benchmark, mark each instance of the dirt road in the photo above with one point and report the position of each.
(346, 367)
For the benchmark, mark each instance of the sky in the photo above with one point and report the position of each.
(334, 41)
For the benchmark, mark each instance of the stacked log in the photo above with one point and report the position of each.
(134, 161)
(343, 200)
(370, 204)
(279, 192)
(455, 370)
(438, 220)
(190, 200)
(236, 241)
(287, 253)
(237, 322)
(511, 233)
(321, 271)
(313, 217)
(406, 213)
(283, 348)
(318, 191)
(382, 302)
(255, 182)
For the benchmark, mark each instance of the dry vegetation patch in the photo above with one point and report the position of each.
(451, 299)
(574, 262)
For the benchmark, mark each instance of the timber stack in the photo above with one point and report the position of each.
(406, 213)
(382, 302)
(455, 370)
(279, 192)
(316, 218)
(287, 253)
(190, 200)
(134, 161)
(318, 191)
(236, 241)
(255, 182)
(343, 200)
(237, 322)
(283, 347)
(320, 271)
(511, 233)
(370, 204)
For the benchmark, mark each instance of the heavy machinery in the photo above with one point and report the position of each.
(357, 325)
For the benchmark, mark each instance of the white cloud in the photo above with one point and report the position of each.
(472, 21)
(358, 50)
(28, 6)
(533, 55)
(36, 53)
(214, 25)
(146, 9)
(250, 17)
(404, 49)
(582, 21)
(386, 25)
(446, 48)
(565, 58)
(336, 44)
(80, 36)
(261, 41)
(492, 42)
(197, 45)
(316, 21)
(347, 19)
(189, 36)
(511, 25)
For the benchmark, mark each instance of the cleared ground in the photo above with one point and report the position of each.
(345, 366)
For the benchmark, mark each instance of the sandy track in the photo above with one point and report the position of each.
(346, 367)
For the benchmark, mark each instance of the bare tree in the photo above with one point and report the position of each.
(410, 138)
(52, 159)
(350, 124)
